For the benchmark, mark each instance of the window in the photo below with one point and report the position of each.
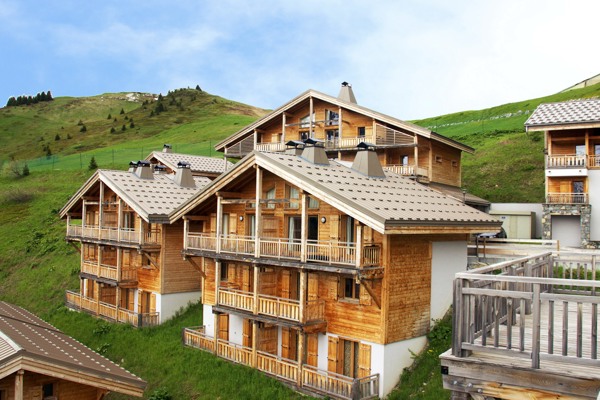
(405, 160)
(224, 272)
(305, 121)
(361, 131)
(332, 135)
(293, 195)
(270, 195)
(294, 228)
(331, 117)
(351, 289)
(454, 163)
(313, 203)
(578, 187)
(350, 358)
(438, 159)
(48, 391)
(251, 225)
(304, 135)
(3, 394)
(580, 150)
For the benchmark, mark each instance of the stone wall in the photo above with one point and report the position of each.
(583, 210)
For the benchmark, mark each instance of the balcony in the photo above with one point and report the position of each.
(531, 323)
(323, 382)
(272, 306)
(328, 252)
(567, 198)
(109, 271)
(110, 312)
(566, 161)
(115, 235)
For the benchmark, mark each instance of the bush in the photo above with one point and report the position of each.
(160, 394)
(83, 129)
(57, 137)
(109, 116)
(26, 170)
(93, 165)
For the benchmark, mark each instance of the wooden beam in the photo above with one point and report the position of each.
(75, 246)
(229, 194)
(196, 218)
(371, 293)
(149, 257)
(196, 266)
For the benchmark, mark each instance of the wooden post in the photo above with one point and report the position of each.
(255, 292)
(98, 297)
(304, 226)
(186, 228)
(83, 215)
(217, 280)
(119, 219)
(100, 254)
(254, 343)
(219, 224)
(310, 117)
(283, 122)
(359, 246)
(340, 123)
(141, 238)
(535, 337)
(101, 209)
(19, 384)
(416, 156)
(374, 133)
(257, 212)
(457, 319)
(255, 138)
(301, 337)
(302, 308)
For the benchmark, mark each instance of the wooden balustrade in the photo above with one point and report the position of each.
(73, 299)
(327, 382)
(197, 338)
(236, 299)
(108, 272)
(234, 352)
(279, 307)
(320, 251)
(277, 146)
(542, 307)
(566, 161)
(567, 198)
(594, 161)
(113, 234)
(277, 366)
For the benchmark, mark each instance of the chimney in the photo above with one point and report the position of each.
(346, 93)
(167, 148)
(366, 161)
(314, 152)
(160, 169)
(132, 166)
(143, 170)
(183, 176)
(294, 147)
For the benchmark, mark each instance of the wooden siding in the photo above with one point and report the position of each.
(445, 166)
(178, 275)
(407, 283)
(63, 389)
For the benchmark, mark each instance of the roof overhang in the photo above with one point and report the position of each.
(562, 127)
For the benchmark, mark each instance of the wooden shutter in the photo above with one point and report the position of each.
(364, 360)
(313, 286)
(213, 223)
(334, 227)
(153, 302)
(246, 280)
(131, 299)
(285, 284)
(365, 298)
(332, 354)
(285, 342)
(312, 350)
(247, 333)
(233, 224)
(224, 326)
(268, 339)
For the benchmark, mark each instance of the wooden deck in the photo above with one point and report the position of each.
(527, 327)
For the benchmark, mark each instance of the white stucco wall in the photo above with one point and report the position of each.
(208, 320)
(447, 258)
(522, 207)
(168, 304)
(594, 198)
(236, 329)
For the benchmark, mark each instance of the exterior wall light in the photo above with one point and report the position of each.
(323, 219)
(241, 217)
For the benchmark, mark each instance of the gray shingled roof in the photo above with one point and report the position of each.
(24, 334)
(567, 112)
(393, 201)
(197, 163)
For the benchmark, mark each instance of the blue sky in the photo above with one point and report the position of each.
(408, 59)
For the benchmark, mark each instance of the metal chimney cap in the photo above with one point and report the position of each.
(143, 163)
(183, 164)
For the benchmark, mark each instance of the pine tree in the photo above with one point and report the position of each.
(109, 116)
(112, 130)
(26, 170)
(57, 137)
(122, 111)
(198, 88)
(93, 165)
(49, 96)
(131, 124)
(123, 128)
(83, 129)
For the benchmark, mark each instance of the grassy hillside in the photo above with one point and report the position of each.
(508, 165)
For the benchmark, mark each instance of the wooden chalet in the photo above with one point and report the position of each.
(323, 275)
(39, 362)
(209, 167)
(526, 328)
(131, 265)
(572, 147)
(403, 148)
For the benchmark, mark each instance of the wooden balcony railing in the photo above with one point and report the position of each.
(594, 161)
(279, 367)
(272, 306)
(567, 198)
(566, 161)
(272, 147)
(323, 382)
(114, 234)
(109, 271)
(319, 251)
(406, 170)
(541, 307)
(109, 311)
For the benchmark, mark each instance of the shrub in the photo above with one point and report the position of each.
(83, 129)
(26, 170)
(160, 394)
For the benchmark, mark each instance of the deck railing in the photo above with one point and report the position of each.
(122, 235)
(109, 311)
(542, 307)
(272, 306)
(277, 146)
(406, 170)
(566, 161)
(109, 271)
(567, 198)
(279, 367)
(594, 161)
(323, 382)
(320, 251)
